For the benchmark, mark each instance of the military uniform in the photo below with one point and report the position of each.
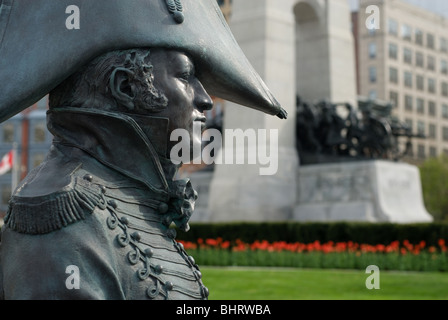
(103, 201)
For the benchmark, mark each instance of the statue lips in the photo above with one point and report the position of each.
(203, 121)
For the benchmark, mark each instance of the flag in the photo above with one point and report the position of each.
(7, 162)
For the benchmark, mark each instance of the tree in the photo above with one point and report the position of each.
(434, 177)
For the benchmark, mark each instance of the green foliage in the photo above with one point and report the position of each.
(434, 177)
(423, 262)
(368, 233)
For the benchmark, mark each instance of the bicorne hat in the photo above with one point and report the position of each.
(42, 42)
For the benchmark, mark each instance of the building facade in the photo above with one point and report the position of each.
(27, 133)
(403, 58)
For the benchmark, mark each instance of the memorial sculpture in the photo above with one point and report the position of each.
(350, 165)
(95, 219)
(326, 134)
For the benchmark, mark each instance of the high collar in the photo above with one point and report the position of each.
(135, 146)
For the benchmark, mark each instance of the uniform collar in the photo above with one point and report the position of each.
(134, 146)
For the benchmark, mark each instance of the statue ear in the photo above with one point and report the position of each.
(121, 88)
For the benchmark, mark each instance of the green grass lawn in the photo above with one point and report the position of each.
(320, 284)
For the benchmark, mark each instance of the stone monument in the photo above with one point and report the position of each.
(351, 169)
(281, 40)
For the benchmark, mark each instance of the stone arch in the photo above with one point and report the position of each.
(312, 50)
(308, 10)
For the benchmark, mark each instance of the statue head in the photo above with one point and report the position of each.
(150, 82)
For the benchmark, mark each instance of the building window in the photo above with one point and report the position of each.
(408, 79)
(445, 133)
(444, 45)
(420, 106)
(444, 67)
(432, 131)
(432, 108)
(421, 128)
(393, 75)
(445, 111)
(372, 74)
(37, 159)
(393, 51)
(445, 89)
(373, 95)
(409, 124)
(419, 37)
(421, 151)
(8, 132)
(420, 83)
(372, 50)
(430, 41)
(408, 103)
(393, 97)
(432, 152)
(406, 32)
(432, 85)
(431, 63)
(407, 56)
(393, 27)
(6, 194)
(39, 132)
(419, 60)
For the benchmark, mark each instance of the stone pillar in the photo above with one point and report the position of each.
(325, 51)
(238, 192)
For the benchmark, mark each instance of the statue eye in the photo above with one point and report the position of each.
(185, 76)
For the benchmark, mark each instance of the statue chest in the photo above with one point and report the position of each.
(150, 262)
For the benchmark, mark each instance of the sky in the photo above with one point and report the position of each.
(437, 6)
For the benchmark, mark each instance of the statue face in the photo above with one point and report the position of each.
(174, 75)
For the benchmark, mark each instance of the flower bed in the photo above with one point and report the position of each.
(344, 255)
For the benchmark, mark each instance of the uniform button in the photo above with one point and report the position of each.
(171, 233)
(191, 259)
(103, 189)
(124, 220)
(167, 221)
(163, 208)
(205, 292)
(159, 269)
(178, 17)
(169, 285)
(149, 252)
(88, 177)
(113, 204)
(180, 246)
(199, 274)
(136, 236)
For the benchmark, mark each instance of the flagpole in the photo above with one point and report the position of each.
(14, 171)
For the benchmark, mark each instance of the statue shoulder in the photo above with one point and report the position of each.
(53, 196)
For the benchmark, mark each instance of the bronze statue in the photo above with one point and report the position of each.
(95, 219)
(324, 136)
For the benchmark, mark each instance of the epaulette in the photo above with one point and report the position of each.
(48, 213)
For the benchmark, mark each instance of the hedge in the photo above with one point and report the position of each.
(360, 232)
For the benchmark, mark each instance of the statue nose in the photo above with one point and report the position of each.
(203, 101)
